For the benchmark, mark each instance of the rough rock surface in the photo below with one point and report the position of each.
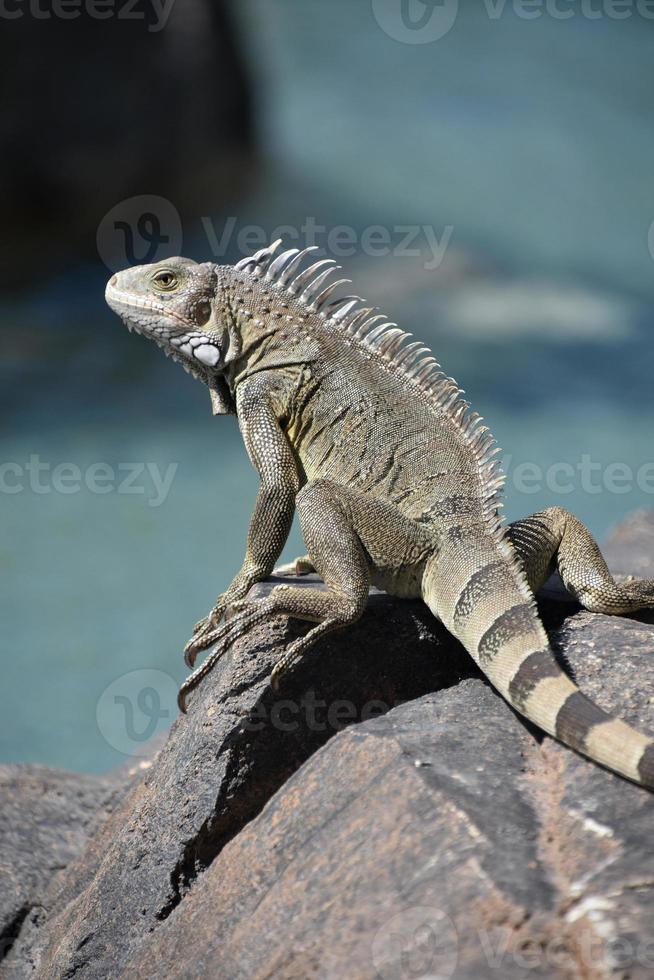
(45, 821)
(436, 836)
(223, 761)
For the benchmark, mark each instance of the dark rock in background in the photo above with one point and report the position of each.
(437, 835)
(97, 109)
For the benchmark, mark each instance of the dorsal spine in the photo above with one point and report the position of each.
(371, 330)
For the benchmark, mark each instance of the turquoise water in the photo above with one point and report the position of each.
(532, 142)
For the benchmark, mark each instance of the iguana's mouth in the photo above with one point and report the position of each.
(194, 350)
(137, 303)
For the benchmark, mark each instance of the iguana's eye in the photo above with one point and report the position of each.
(164, 279)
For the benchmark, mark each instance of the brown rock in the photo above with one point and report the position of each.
(444, 835)
(46, 817)
(458, 847)
(222, 763)
(442, 838)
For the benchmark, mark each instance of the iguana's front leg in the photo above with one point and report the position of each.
(556, 539)
(272, 516)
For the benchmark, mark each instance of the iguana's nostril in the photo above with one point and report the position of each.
(112, 281)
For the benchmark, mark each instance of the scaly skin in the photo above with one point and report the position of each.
(393, 478)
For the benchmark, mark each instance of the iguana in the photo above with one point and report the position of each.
(395, 480)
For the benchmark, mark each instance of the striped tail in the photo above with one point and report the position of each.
(478, 590)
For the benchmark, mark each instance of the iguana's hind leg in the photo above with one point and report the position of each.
(343, 533)
(337, 553)
(341, 529)
(556, 539)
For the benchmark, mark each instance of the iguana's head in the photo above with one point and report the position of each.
(211, 317)
(174, 303)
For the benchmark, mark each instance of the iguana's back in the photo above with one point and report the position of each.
(374, 412)
(365, 428)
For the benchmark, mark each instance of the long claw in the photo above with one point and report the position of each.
(277, 674)
(202, 637)
(192, 682)
(199, 643)
(223, 636)
(191, 651)
(275, 682)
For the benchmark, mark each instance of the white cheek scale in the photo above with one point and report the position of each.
(208, 354)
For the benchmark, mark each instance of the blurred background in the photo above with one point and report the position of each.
(484, 171)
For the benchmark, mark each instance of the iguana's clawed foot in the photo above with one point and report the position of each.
(204, 630)
(246, 615)
(203, 633)
(205, 638)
